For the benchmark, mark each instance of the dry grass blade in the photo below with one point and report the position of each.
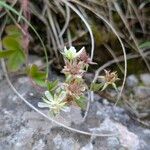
(114, 56)
(130, 32)
(115, 32)
(86, 23)
(66, 21)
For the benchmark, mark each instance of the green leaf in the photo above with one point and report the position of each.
(114, 86)
(81, 102)
(52, 85)
(13, 30)
(38, 76)
(95, 86)
(145, 45)
(11, 43)
(36, 73)
(104, 86)
(15, 60)
(40, 82)
(6, 54)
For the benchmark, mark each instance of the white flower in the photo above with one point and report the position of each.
(72, 53)
(54, 103)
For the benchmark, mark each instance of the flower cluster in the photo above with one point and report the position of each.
(74, 69)
(109, 79)
(72, 90)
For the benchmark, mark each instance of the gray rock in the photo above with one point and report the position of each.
(122, 136)
(63, 143)
(23, 128)
(132, 81)
(145, 78)
(105, 102)
(106, 126)
(1, 73)
(33, 59)
(23, 80)
(35, 121)
(113, 142)
(39, 145)
(128, 139)
(88, 146)
(22, 139)
(57, 141)
(68, 144)
(141, 92)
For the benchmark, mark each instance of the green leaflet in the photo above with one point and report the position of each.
(6, 54)
(13, 30)
(81, 102)
(145, 45)
(38, 76)
(52, 85)
(16, 59)
(95, 86)
(10, 43)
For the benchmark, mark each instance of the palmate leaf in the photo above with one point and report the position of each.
(14, 52)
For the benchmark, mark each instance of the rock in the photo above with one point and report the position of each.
(122, 136)
(22, 139)
(105, 102)
(113, 142)
(132, 81)
(145, 78)
(127, 139)
(23, 80)
(57, 141)
(63, 143)
(142, 92)
(23, 128)
(68, 144)
(34, 59)
(89, 146)
(75, 115)
(35, 121)
(106, 126)
(39, 145)
(1, 73)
